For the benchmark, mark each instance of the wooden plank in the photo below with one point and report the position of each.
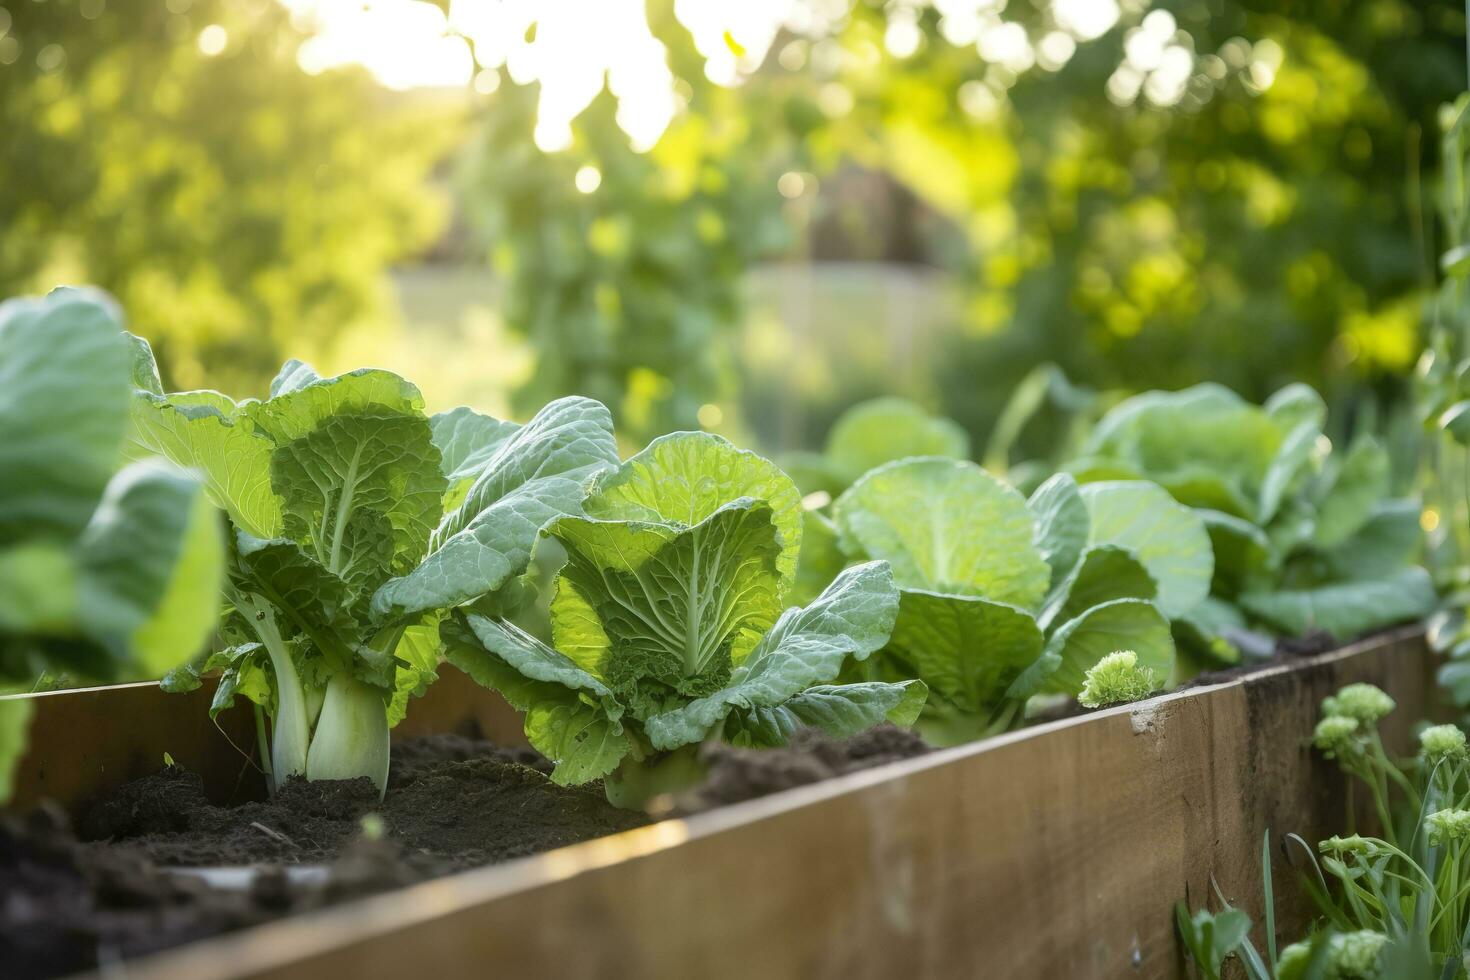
(86, 742)
(1051, 853)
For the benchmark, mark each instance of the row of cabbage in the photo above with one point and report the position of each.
(636, 608)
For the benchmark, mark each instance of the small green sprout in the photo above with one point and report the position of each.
(1336, 735)
(1442, 743)
(1364, 702)
(373, 826)
(168, 761)
(1352, 844)
(1445, 826)
(1117, 678)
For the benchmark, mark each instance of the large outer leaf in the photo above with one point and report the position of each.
(535, 475)
(300, 399)
(64, 370)
(1390, 538)
(362, 492)
(667, 605)
(1165, 535)
(1206, 428)
(1346, 609)
(807, 646)
(1244, 554)
(571, 717)
(1061, 523)
(687, 476)
(314, 600)
(1123, 624)
(838, 710)
(467, 440)
(1361, 483)
(885, 429)
(947, 526)
(150, 567)
(968, 650)
(1105, 573)
(206, 432)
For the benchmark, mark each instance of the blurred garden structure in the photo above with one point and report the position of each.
(742, 217)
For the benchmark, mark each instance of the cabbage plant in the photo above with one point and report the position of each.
(359, 521)
(105, 572)
(1306, 537)
(669, 626)
(1003, 599)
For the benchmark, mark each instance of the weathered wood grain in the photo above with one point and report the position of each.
(1051, 853)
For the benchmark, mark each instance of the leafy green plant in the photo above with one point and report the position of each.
(870, 434)
(1003, 599)
(359, 521)
(104, 572)
(668, 626)
(1396, 905)
(1305, 538)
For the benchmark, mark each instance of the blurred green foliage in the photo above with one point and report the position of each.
(1262, 224)
(234, 204)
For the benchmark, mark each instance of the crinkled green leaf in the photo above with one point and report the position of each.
(1061, 523)
(466, 441)
(1360, 485)
(206, 432)
(687, 476)
(312, 599)
(837, 710)
(1346, 609)
(361, 492)
(536, 474)
(571, 717)
(301, 399)
(852, 618)
(1166, 536)
(947, 526)
(1104, 573)
(882, 430)
(1123, 624)
(153, 606)
(967, 649)
(672, 609)
(64, 370)
(418, 655)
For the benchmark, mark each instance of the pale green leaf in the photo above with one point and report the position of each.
(151, 606)
(946, 526)
(837, 710)
(687, 476)
(1360, 485)
(852, 618)
(1104, 573)
(15, 726)
(1123, 624)
(1061, 523)
(1346, 609)
(968, 650)
(1165, 535)
(64, 370)
(882, 430)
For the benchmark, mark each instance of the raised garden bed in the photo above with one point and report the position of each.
(1052, 852)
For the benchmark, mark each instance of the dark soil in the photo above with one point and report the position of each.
(71, 901)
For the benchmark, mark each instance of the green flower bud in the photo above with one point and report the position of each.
(1442, 742)
(1354, 955)
(1364, 702)
(1336, 735)
(1353, 844)
(1117, 678)
(1445, 826)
